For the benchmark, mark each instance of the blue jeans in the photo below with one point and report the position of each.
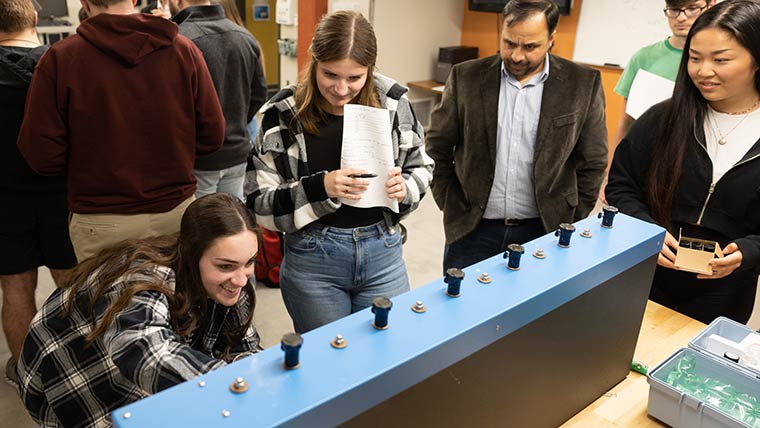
(328, 273)
(490, 238)
(229, 180)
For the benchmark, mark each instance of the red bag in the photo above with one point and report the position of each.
(268, 259)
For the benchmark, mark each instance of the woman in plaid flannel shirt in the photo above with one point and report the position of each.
(143, 316)
(337, 257)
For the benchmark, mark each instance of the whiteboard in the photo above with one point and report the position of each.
(611, 31)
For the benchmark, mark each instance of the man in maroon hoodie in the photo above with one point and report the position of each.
(121, 109)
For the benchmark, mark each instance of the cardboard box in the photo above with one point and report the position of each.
(694, 255)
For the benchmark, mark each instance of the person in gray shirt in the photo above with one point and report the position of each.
(233, 57)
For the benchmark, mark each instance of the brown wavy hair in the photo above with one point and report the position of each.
(341, 35)
(209, 218)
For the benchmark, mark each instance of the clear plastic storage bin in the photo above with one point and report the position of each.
(721, 392)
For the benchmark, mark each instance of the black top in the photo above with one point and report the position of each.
(323, 154)
(729, 212)
(16, 67)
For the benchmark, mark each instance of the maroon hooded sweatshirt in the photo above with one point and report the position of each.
(121, 109)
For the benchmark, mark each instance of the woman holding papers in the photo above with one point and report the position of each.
(310, 180)
(692, 165)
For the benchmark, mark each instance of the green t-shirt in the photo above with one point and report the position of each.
(660, 58)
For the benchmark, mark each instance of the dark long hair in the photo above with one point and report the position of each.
(685, 113)
(340, 35)
(205, 220)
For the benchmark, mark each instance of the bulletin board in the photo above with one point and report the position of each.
(611, 31)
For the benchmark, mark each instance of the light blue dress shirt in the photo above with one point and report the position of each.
(512, 193)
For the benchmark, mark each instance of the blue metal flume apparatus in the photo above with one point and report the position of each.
(517, 348)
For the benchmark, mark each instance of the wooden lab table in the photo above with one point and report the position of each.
(428, 86)
(663, 331)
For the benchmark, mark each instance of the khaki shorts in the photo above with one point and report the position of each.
(91, 233)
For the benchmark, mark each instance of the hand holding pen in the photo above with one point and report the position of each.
(347, 183)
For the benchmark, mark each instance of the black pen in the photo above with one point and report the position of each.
(363, 175)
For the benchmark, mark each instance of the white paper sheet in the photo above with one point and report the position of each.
(647, 90)
(367, 145)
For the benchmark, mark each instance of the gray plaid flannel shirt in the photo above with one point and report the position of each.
(65, 381)
(286, 196)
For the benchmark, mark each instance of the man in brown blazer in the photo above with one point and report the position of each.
(519, 140)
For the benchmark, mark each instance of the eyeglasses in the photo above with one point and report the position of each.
(689, 12)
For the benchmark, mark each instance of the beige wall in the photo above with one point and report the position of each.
(409, 34)
(289, 65)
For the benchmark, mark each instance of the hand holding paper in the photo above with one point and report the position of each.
(368, 149)
(345, 183)
(395, 186)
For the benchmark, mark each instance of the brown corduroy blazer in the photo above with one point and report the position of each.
(570, 151)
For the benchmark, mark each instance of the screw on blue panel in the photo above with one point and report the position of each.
(338, 342)
(564, 232)
(419, 307)
(513, 254)
(291, 344)
(607, 215)
(454, 278)
(380, 307)
(239, 386)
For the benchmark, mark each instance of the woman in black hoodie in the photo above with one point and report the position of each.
(692, 165)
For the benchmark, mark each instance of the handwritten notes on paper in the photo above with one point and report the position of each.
(647, 90)
(367, 145)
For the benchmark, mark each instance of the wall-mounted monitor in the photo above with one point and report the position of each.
(53, 8)
(498, 5)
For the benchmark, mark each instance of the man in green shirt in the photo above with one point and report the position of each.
(661, 58)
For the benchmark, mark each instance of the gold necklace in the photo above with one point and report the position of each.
(747, 110)
(722, 138)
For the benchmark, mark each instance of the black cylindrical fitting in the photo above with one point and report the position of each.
(454, 278)
(381, 306)
(513, 254)
(291, 344)
(565, 232)
(607, 215)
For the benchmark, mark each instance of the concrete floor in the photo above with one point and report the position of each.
(423, 253)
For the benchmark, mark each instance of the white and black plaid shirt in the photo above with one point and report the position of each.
(286, 196)
(65, 381)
